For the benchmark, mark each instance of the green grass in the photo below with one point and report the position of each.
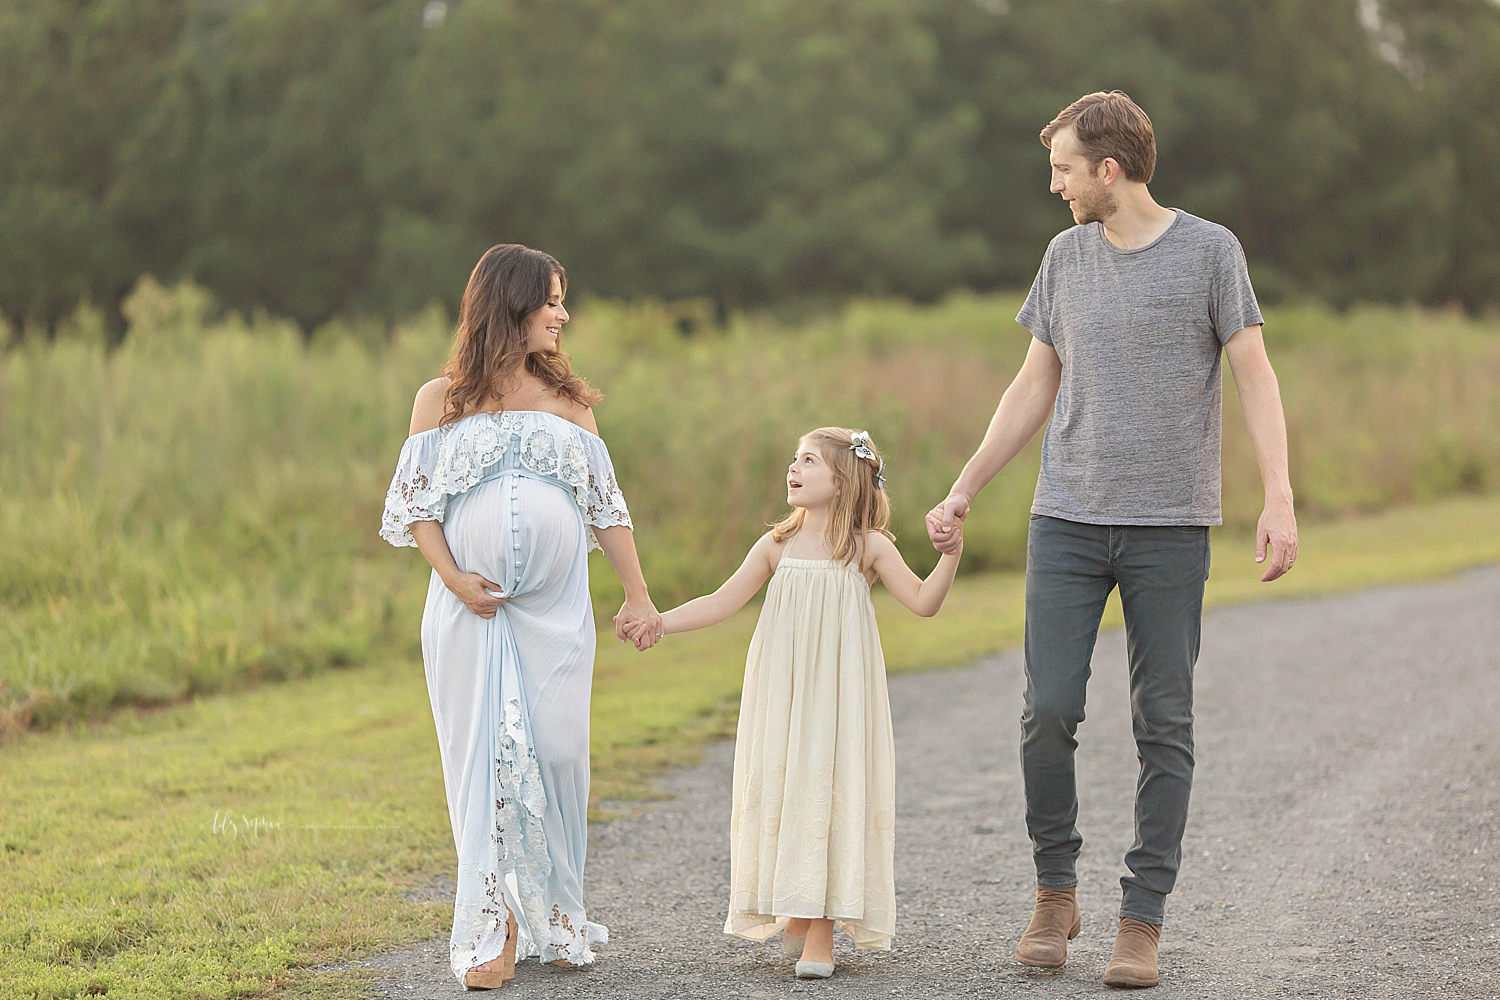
(139, 856)
(227, 846)
(196, 511)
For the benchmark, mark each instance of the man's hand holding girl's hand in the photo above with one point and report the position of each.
(945, 523)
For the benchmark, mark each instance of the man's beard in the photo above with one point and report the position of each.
(1096, 206)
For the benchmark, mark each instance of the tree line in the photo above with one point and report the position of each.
(318, 158)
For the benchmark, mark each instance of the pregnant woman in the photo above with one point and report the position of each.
(505, 485)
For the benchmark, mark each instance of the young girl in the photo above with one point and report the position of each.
(812, 833)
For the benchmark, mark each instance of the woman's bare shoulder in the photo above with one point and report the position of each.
(427, 409)
(577, 413)
(533, 394)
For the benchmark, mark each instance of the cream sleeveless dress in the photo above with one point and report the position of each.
(812, 831)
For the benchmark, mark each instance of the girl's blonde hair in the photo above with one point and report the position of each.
(860, 503)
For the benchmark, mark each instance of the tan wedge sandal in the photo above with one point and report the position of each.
(497, 971)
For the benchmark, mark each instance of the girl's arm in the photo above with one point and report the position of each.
(735, 592)
(921, 596)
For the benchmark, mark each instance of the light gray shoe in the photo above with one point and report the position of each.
(814, 970)
(792, 944)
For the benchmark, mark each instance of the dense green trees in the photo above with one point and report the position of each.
(82, 209)
(325, 157)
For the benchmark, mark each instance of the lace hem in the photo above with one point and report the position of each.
(520, 862)
(518, 849)
(440, 464)
(565, 942)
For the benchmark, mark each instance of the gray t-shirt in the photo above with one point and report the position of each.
(1134, 438)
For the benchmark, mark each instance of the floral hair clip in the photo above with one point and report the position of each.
(861, 448)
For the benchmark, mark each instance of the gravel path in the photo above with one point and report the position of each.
(1342, 842)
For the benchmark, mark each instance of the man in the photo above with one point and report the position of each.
(1128, 315)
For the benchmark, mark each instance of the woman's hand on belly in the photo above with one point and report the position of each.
(478, 594)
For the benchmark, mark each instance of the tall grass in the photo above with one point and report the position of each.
(194, 509)
(197, 509)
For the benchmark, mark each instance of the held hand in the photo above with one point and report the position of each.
(1278, 529)
(479, 595)
(631, 631)
(637, 612)
(945, 523)
(643, 634)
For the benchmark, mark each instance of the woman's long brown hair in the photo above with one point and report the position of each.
(509, 283)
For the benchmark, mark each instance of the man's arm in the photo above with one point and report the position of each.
(1023, 409)
(1260, 401)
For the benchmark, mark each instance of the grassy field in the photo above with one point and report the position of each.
(227, 846)
(196, 511)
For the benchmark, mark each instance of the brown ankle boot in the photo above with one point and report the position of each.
(1055, 921)
(1134, 962)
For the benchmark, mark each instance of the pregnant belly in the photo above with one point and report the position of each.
(525, 534)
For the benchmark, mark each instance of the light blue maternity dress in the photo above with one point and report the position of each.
(517, 493)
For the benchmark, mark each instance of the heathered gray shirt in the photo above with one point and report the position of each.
(1134, 437)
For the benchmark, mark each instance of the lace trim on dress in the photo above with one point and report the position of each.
(440, 464)
(519, 847)
(519, 850)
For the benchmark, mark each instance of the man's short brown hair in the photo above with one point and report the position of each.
(1109, 124)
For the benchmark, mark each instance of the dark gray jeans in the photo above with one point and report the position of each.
(1070, 570)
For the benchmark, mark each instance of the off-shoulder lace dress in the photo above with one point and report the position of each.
(812, 828)
(518, 494)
